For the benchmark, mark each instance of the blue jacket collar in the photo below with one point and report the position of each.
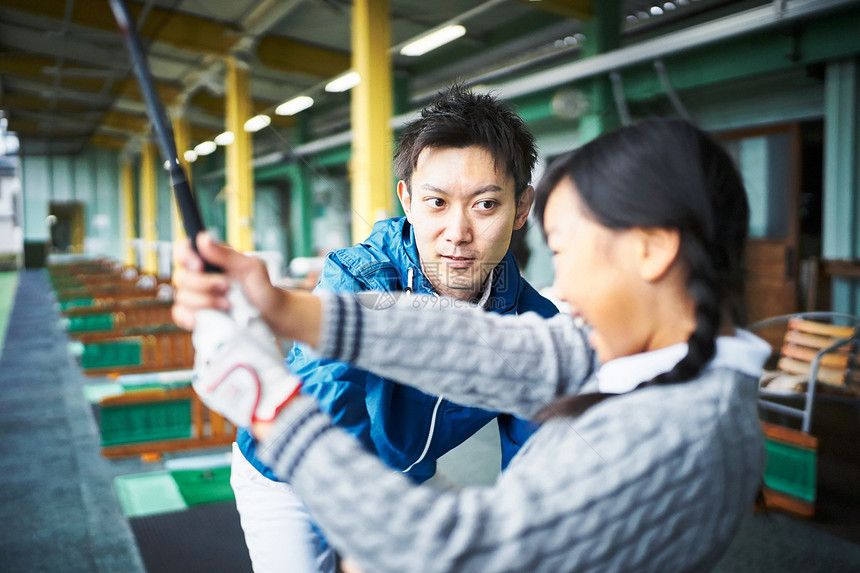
(395, 240)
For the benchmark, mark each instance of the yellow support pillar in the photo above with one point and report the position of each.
(372, 184)
(182, 136)
(128, 214)
(240, 177)
(148, 202)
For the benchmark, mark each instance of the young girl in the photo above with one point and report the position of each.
(650, 453)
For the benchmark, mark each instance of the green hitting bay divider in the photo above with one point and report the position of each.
(90, 323)
(145, 422)
(114, 353)
(76, 302)
(791, 469)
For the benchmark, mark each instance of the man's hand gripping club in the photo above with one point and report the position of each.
(238, 367)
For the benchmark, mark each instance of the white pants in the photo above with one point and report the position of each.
(277, 526)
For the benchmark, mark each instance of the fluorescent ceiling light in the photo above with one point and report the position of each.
(257, 123)
(205, 148)
(225, 138)
(294, 105)
(345, 81)
(433, 40)
(190, 156)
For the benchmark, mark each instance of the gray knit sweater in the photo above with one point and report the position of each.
(654, 480)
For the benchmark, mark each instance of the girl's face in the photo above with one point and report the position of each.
(596, 273)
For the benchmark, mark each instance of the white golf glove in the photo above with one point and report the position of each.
(238, 366)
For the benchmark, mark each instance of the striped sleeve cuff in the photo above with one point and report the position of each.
(340, 332)
(296, 428)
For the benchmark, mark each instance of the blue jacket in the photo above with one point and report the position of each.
(405, 427)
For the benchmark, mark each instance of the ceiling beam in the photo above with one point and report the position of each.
(108, 141)
(36, 102)
(66, 46)
(215, 105)
(267, 14)
(180, 30)
(33, 98)
(32, 66)
(43, 89)
(288, 55)
(192, 33)
(125, 121)
(576, 9)
(43, 128)
(80, 121)
(200, 133)
(167, 92)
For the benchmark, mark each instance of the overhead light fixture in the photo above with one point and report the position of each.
(294, 105)
(345, 81)
(190, 156)
(257, 123)
(225, 138)
(205, 148)
(433, 40)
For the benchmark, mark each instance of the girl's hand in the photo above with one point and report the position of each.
(197, 290)
(238, 368)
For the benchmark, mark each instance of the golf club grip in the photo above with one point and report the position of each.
(191, 219)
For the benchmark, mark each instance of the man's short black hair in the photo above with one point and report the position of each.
(461, 118)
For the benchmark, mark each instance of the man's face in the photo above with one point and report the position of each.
(463, 212)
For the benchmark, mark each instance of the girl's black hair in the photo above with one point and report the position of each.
(666, 173)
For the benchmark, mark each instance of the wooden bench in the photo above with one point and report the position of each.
(815, 355)
(812, 353)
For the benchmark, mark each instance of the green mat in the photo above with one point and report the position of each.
(148, 494)
(95, 392)
(168, 491)
(204, 486)
(8, 284)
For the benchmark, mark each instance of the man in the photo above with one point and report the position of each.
(464, 168)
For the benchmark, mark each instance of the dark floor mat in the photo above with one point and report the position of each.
(57, 507)
(204, 538)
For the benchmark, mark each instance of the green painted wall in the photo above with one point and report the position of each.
(91, 177)
(842, 176)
